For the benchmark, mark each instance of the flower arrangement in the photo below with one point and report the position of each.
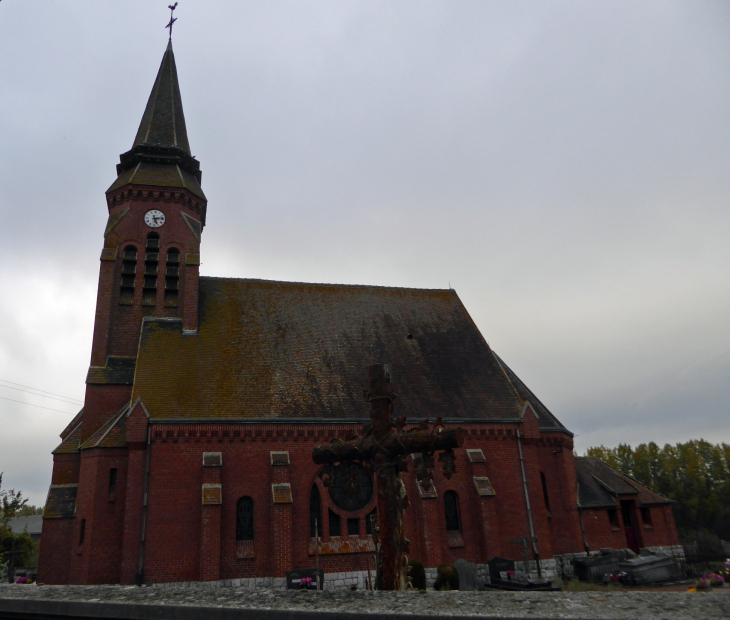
(715, 580)
(510, 574)
(305, 583)
(702, 584)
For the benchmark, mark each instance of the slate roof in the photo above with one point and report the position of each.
(61, 502)
(300, 351)
(547, 419)
(111, 434)
(160, 155)
(602, 486)
(71, 436)
(118, 371)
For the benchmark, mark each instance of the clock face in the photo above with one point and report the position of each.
(154, 218)
(350, 487)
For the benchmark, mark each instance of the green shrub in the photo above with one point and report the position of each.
(417, 574)
(447, 578)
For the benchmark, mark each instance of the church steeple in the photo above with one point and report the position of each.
(163, 122)
(160, 155)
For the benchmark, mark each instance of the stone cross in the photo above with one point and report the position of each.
(523, 541)
(383, 448)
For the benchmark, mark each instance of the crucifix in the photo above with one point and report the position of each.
(524, 541)
(172, 8)
(382, 449)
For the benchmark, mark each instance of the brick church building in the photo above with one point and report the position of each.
(191, 459)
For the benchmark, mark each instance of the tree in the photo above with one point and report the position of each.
(11, 503)
(13, 548)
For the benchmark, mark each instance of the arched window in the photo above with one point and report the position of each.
(451, 507)
(129, 271)
(545, 492)
(315, 511)
(172, 276)
(151, 260)
(335, 523)
(244, 519)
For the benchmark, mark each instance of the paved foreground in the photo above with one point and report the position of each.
(128, 602)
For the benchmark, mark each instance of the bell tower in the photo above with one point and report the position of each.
(151, 255)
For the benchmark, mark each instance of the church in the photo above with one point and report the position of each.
(191, 459)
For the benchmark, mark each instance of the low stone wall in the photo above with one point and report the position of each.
(132, 603)
(332, 581)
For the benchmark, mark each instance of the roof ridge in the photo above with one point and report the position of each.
(331, 284)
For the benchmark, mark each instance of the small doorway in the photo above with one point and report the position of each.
(633, 535)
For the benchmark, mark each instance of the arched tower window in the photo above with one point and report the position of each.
(129, 271)
(315, 511)
(451, 507)
(244, 519)
(172, 275)
(151, 260)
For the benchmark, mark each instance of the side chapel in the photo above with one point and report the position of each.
(191, 459)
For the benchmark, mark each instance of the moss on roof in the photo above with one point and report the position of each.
(278, 349)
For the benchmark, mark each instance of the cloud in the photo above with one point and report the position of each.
(562, 165)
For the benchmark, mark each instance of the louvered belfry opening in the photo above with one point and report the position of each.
(151, 262)
(172, 277)
(129, 273)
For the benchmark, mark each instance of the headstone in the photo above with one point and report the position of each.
(498, 566)
(294, 579)
(467, 575)
(651, 569)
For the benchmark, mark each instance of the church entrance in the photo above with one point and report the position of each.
(633, 535)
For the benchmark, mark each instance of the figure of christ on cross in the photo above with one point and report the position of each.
(383, 449)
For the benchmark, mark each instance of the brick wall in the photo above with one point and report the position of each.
(188, 542)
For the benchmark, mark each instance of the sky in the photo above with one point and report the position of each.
(564, 166)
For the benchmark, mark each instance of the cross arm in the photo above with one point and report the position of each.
(393, 445)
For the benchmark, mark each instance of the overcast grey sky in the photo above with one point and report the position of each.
(563, 165)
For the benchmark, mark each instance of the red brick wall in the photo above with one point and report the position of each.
(100, 403)
(175, 511)
(54, 560)
(66, 468)
(98, 558)
(185, 544)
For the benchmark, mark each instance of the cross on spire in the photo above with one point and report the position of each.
(172, 8)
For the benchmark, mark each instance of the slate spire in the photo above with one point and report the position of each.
(160, 154)
(163, 121)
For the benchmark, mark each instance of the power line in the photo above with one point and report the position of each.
(39, 407)
(63, 399)
(37, 390)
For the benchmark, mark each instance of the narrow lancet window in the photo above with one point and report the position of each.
(545, 492)
(244, 519)
(335, 525)
(451, 507)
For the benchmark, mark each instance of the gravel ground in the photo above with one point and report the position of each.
(645, 605)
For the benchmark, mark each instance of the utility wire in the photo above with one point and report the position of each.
(69, 401)
(37, 390)
(39, 407)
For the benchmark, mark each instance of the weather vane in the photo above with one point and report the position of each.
(172, 8)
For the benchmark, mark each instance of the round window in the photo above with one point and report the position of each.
(350, 487)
